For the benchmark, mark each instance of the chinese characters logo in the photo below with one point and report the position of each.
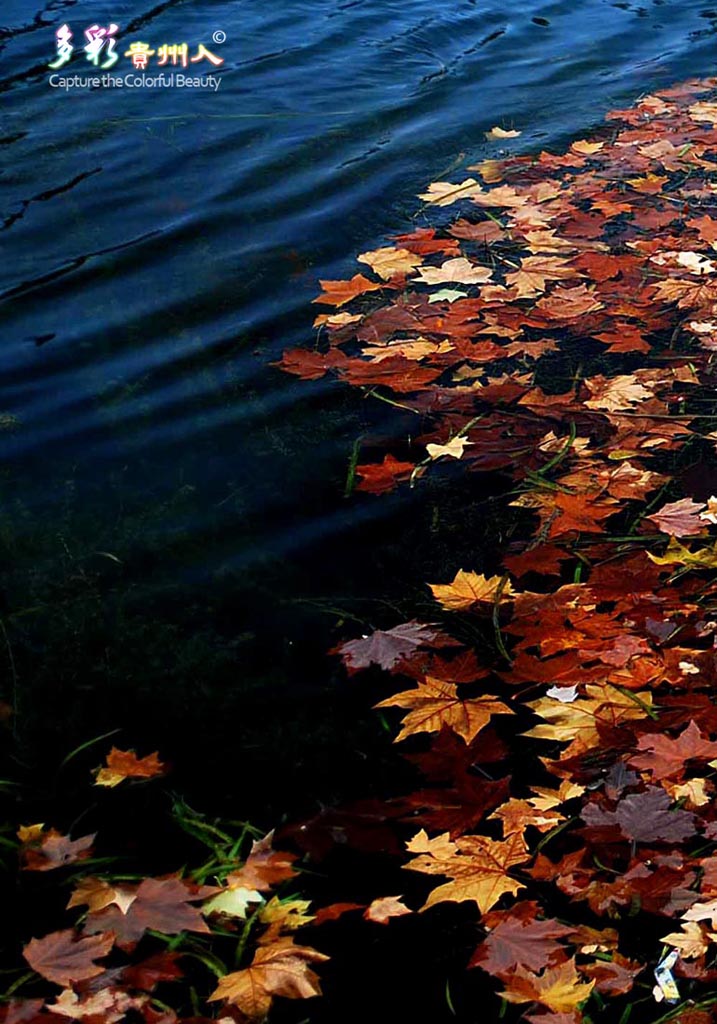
(101, 45)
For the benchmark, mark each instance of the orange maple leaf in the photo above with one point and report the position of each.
(124, 764)
(338, 293)
(478, 870)
(280, 969)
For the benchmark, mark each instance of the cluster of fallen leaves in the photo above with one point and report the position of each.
(216, 939)
(599, 693)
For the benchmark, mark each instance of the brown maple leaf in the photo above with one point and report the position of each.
(563, 304)
(517, 942)
(386, 647)
(48, 849)
(666, 758)
(644, 818)
(162, 904)
(613, 977)
(64, 958)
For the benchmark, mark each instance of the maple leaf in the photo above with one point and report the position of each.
(666, 758)
(162, 904)
(569, 303)
(703, 558)
(124, 764)
(458, 271)
(536, 271)
(338, 293)
(581, 513)
(585, 147)
(447, 295)
(705, 227)
(97, 894)
(614, 393)
(147, 974)
(644, 817)
(478, 869)
(382, 910)
(387, 261)
(234, 901)
(108, 1005)
(336, 910)
(383, 476)
(443, 193)
(283, 916)
(469, 588)
(579, 721)
(501, 133)
(454, 448)
(702, 912)
(386, 647)
(458, 807)
(613, 977)
(435, 703)
(280, 969)
(651, 183)
(559, 988)
(485, 231)
(624, 338)
(489, 170)
(64, 958)
(47, 850)
(710, 513)
(265, 867)
(679, 518)
(517, 942)
(310, 365)
(516, 815)
(692, 941)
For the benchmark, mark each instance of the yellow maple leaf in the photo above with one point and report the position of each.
(387, 261)
(469, 588)
(502, 133)
(559, 988)
(443, 193)
(676, 553)
(586, 148)
(578, 722)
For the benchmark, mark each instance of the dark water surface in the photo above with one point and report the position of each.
(177, 551)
